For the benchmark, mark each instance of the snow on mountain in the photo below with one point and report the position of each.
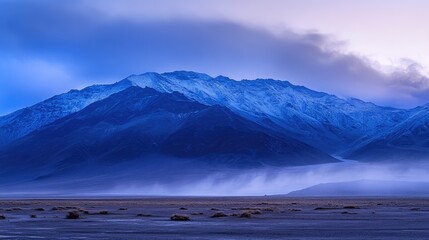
(24, 121)
(320, 119)
(406, 140)
(145, 125)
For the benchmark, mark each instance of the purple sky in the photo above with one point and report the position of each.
(374, 50)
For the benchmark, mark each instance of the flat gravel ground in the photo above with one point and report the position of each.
(242, 218)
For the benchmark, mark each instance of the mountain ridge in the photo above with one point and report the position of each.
(334, 125)
(319, 119)
(140, 123)
(26, 120)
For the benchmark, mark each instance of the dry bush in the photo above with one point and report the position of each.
(177, 217)
(73, 215)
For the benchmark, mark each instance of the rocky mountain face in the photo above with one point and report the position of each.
(143, 124)
(190, 115)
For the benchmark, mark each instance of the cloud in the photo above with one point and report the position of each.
(82, 46)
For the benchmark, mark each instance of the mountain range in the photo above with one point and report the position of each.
(365, 188)
(216, 121)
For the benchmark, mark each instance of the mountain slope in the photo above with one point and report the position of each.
(145, 125)
(24, 121)
(405, 141)
(347, 127)
(319, 119)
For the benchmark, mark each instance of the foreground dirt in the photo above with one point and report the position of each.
(216, 218)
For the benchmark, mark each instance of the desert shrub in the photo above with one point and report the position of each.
(325, 208)
(177, 217)
(350, 207)
(73, 215)
(255, 212)
(144, 215)
(245, 215)
(219, 214)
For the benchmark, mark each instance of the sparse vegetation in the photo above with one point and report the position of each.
(33, 216)
(84, 211)
(73, 215)
(39, 209)
(177, 217)
(263, 203)
(219, 214)
(197, 213)
(13, 209)
(351, 207)
(256, 212)
(268, 209)
(325, 208)
(246, 208)
(144, 215)
(245, 215)
(62, 208)
(104, 212)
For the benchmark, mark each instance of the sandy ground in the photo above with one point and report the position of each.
(271, 218)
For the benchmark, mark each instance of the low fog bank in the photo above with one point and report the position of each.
(275, 181)
(205, 181)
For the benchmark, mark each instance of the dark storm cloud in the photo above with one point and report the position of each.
(49, 47)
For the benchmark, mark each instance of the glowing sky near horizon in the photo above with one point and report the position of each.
(374, 50)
